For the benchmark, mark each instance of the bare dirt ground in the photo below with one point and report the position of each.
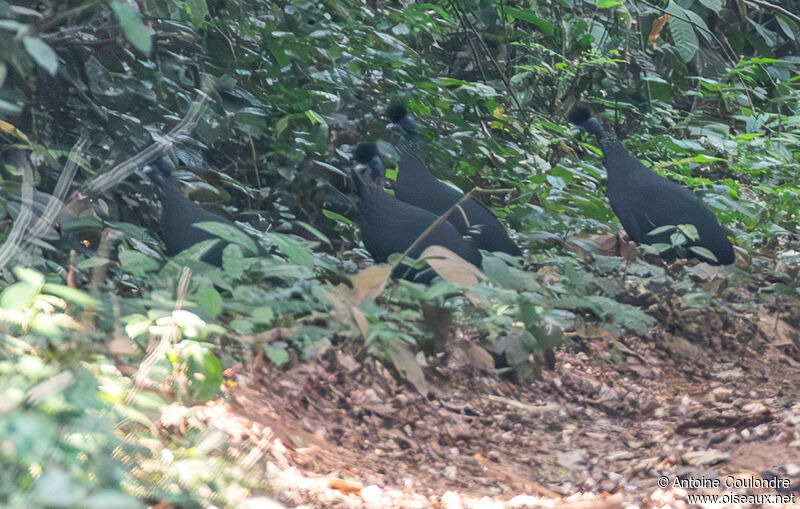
(714, 396)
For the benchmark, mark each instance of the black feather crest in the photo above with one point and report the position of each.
(365, 152)
(579, 114)
(396, 112)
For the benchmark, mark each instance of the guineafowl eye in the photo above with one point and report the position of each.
(389, 225)
(645, 201)
(417, 186)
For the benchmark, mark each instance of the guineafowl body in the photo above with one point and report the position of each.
(417, 186)
(179, 214)
(389, 225)
(644, 200)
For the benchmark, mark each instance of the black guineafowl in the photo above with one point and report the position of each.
(644, 200)
(417, 186)
(179, 214)
(389, 225)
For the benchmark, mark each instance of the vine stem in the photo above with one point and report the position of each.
(467, 24)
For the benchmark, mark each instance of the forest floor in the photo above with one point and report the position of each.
(713, 395)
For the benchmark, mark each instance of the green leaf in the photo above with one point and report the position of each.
(210, 301)
(690, 231)
(72, 295)
(705, 253)
(683, 34)
(315, 117)
(29, 276)
(313, 231)
(205, 369)
(278, 356)
(42, 54)
(297, 253)
(713, 5)
(788, 26)
(135, 30)
(335, 216)
(233, 262)
(230, 233)
(18, 296)
(136, 263)
(607, 4)
(661, 229)
(197, 10)
(542, 24)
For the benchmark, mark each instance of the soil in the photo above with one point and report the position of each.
(706, 401)
(714, 399)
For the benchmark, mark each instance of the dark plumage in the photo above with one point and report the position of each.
(644, 200)
(178, 214)
(417, 186)
(389, 225)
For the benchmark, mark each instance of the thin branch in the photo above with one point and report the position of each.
(157, 149)
(439, 220)
(776, 7)
(468, 24)
(56, 203)
(475, 55)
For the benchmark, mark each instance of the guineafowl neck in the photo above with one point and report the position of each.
(619, 163)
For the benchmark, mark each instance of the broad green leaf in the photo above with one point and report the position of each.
(690, 231)
(135, 30)
(607, 4)
(297, 253)
(197, 10)
(42, 54)
(542, 24)
(137, 263)
(683, 34)
(230, 233)
(210, 301)
(278, 356)
(713, 5)
(18, 296)
(705, 253)
(788, 26)
(72, 295)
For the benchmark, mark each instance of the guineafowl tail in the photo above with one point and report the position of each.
(581, 116)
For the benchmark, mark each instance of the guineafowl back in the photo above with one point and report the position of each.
(417, 186)
(179, 214)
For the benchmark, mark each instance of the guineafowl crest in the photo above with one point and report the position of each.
(579, 114)
(365, 152)
(396, 112)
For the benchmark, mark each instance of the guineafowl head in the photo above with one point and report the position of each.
(581, 116)
(400, 119)
(366, 153)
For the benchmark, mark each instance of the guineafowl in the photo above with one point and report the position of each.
(179, 214)
(417, 186)
(389, 225)
(644, 200)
